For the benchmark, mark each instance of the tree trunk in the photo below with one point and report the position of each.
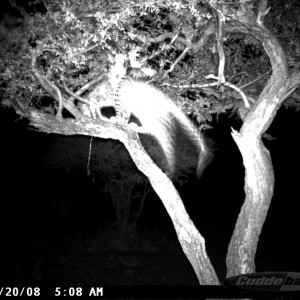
(259, 175)
(190, 239)
(259, 185)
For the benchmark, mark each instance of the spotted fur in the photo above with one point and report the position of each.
(154, 109)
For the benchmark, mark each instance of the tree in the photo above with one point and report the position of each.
(71, 41)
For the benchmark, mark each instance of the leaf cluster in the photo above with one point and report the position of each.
(163, 41)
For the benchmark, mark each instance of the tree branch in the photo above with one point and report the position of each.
(191, 241)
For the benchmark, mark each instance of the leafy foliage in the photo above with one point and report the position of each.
(82, 34)
(166, 42)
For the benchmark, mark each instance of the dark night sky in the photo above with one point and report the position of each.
(213, 207)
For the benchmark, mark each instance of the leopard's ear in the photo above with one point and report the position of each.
(117, 71)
